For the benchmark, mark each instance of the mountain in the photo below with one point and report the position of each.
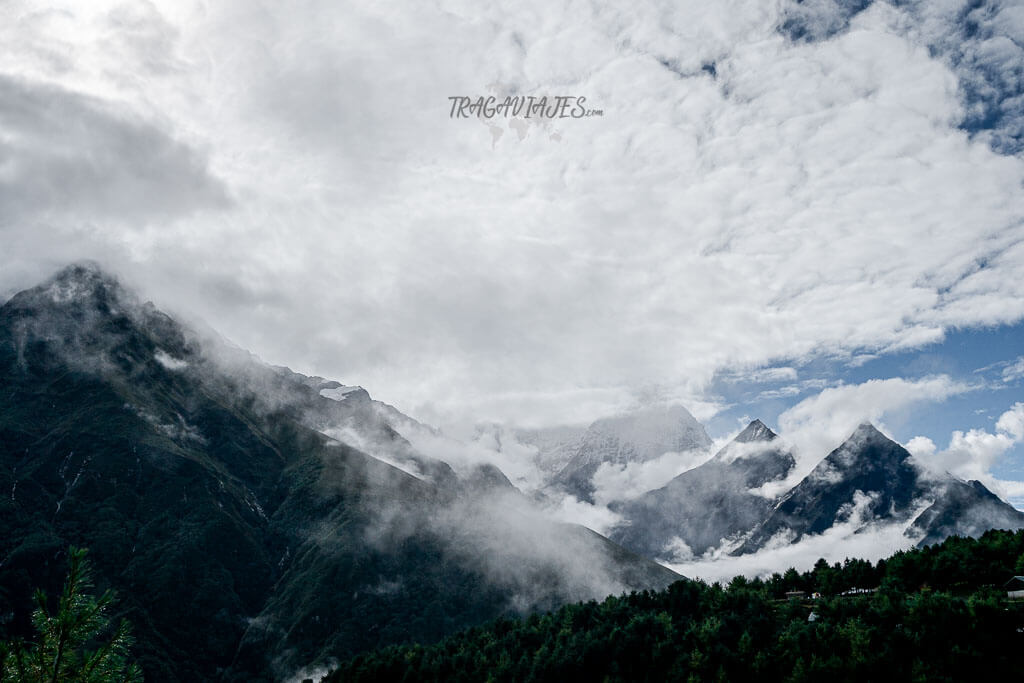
(715, 501)
(871, 478)
(252, 519)
(964, 509)
(555, 446)
(636, 437)
(933, 616)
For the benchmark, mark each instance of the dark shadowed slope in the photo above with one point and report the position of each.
(222, 499)
(876, 479)
(936, 615)
(965, 509)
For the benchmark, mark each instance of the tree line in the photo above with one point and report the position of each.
(938, 613)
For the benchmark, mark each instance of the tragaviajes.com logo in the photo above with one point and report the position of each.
(521, 106)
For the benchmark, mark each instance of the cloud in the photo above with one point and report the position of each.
(627, 481)
(569, 509)
(70, 157)
(767, 375)
(1012, 422)
(789, 390)
(851, 538)
(799, 199)
(980, 41)
(84, 177)
(973, 453)
(493, 445)
(821, 422)
(1014, 371)
(921, 447)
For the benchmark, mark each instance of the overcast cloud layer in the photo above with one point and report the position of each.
(768, 182)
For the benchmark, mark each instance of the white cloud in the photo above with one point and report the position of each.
(973, 454)
(851, 538)
(571, 510)
(169, 361)
(809, 198)
(493, 446)
(1012, 422)
(765, 375)
(821, 422)
(921, 447)
(781, 392)
(614, 482)
(1014, 371)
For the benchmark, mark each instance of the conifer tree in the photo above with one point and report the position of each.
(73, 644)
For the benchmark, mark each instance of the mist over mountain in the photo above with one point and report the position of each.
(742, 502)
(964, 509)
(636, 437)
(702, 507)
(510, 305)
(306, 521)
(871, 478)
(285, 511)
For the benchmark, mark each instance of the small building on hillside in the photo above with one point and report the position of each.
(796, 595)
(1015, 587)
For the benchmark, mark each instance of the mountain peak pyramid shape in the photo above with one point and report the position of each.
(880, 475)
(84, 316)
(703, 507)
(867, 430)
(754, 432)
(867, 448)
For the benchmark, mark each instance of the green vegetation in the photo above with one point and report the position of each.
(69, 646)
(938, 614)
(208, 497)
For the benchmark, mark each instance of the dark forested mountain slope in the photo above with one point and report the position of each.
(223, 501)
(931, 614)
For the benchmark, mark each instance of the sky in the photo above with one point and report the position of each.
(806, 212)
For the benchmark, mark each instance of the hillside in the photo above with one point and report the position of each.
(938, 614)
(284, 513)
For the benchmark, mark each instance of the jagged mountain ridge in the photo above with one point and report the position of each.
(292, 507)
(965, 509)
(874, 477)
(735, 501)
(210, 485)
(702, 507)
